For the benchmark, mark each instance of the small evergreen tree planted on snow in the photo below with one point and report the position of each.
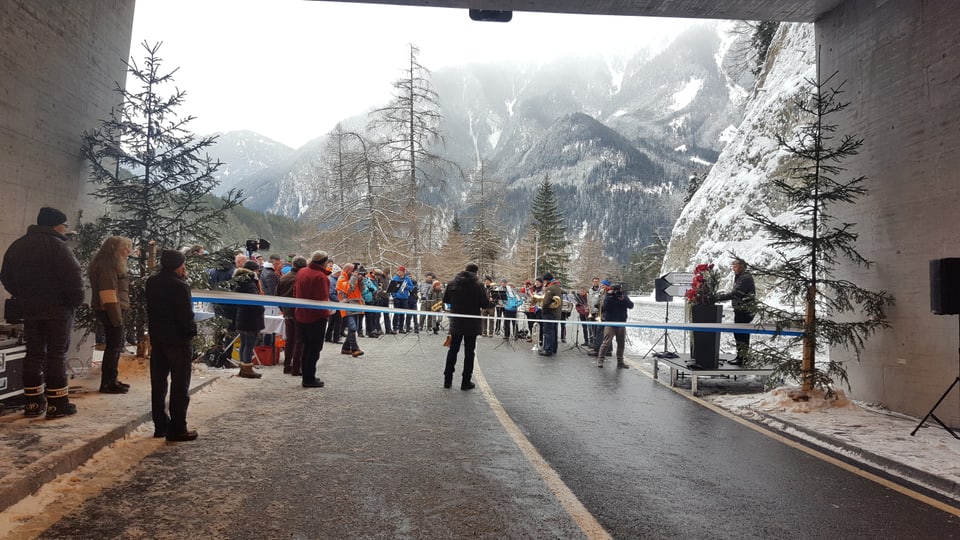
(154, 176)
(833, 312)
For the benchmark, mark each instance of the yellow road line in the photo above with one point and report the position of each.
(819, 455)
(584, 519)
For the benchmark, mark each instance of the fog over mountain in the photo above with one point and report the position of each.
(618, 137)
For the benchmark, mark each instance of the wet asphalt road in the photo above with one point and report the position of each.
(384, 452)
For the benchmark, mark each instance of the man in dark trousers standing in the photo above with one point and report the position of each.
(742, 298)
(466, 296)
(551, 309)
(170, 319)
(614, 309)
(40, 271)
(312, 283)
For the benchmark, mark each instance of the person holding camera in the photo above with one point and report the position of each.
(615, 306)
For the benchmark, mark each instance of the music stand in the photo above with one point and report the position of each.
(937, 404)
(498, 296)
(576, 336)
(393, 287)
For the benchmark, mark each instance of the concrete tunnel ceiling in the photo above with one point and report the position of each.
(756, 10)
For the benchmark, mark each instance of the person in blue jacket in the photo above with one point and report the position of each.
(401, 299)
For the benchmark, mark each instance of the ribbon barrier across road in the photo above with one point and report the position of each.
(224, 297)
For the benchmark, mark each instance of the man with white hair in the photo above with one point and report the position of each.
(313, 283)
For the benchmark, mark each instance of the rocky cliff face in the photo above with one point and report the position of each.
(714, 223)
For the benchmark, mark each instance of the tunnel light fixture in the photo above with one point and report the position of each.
(490, 15)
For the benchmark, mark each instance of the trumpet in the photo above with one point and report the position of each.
(438, 306)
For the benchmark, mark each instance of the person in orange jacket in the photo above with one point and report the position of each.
(350, 291)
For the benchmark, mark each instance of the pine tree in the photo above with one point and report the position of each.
(551, 233)
(760, 40)
(165, 201)
(836, 312)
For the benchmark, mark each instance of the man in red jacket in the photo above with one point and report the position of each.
(313, 283)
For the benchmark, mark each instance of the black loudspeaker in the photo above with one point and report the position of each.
(945, 286)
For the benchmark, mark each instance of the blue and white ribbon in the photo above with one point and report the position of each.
(224, 297)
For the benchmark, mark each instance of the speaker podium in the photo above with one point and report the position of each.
(944, 300)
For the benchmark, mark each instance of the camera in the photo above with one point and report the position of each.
(615, 290)
(256, 245)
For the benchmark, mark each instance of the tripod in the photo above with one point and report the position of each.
(666, 341)
(937, 404)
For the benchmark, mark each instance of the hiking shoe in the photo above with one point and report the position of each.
(357, 353)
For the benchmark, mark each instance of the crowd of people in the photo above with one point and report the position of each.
(45, 279)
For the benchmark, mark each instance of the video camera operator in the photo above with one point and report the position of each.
(615, 306)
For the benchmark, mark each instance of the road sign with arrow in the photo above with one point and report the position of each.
(672, 284)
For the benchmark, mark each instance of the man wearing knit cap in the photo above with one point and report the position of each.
(171, 324)
(40, 271)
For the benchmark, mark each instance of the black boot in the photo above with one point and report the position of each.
(447, 380)
(35, 404)
(58, 404)
(467, 384)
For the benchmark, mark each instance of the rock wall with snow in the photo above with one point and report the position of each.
(714, 223)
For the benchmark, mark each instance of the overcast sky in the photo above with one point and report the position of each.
(290, 69)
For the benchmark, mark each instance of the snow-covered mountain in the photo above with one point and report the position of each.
(245, 153)
(714, 223)
(618, 136)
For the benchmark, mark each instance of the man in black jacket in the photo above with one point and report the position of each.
(742, 297)
(614, 309)
(466, 296)
(40, 271)
(170, 318)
